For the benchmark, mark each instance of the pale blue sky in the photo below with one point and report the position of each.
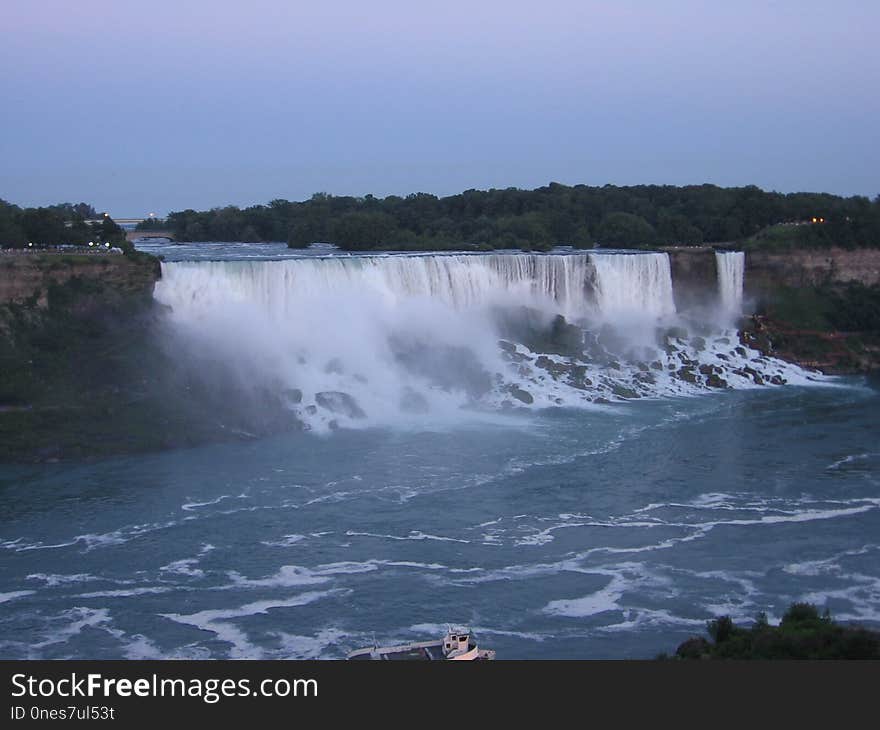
(162, 105)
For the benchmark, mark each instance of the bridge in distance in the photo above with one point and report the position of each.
(129, 225)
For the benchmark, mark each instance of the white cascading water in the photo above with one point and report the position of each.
(731, 271)
(351, 340)
(634, 285)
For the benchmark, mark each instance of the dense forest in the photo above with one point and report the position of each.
(580, 216)
(63, 224)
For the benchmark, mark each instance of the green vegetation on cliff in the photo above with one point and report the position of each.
(831, 327)
(62, 349)
(637, 216)
(858, 229)
(802, 634)
(87, 367)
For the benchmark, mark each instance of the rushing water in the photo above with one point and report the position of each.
(583, 524)
(731, 271)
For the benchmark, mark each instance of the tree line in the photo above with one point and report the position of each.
(56, 225)
(579, 216)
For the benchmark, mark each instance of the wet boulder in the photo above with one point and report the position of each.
(338, 402)
(521, 395)
(621, 391)
(715, 381)
(686, 374)
(293, 395)
(556, 369)
(754, 375)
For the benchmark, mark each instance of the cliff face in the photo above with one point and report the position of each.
(809, 306)
(27, 278)
(694, 276)
(88, 368)
(694, 273)
(810, 268)
(72, 329)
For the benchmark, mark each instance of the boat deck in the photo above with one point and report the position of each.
(432, 651)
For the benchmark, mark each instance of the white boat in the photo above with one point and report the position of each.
(458, 645)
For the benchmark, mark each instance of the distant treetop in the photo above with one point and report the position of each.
(580, 216)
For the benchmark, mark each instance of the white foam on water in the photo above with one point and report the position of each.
(188, 566)
(52, 579)
(803, 516)
(862, 594)
(295, 646)
(636, 619)
(413, 564)
(12, 595)
(828, 565)
(128, 592)
(605, 599)
(189, 506)
(850, 459)
(285, 541)
(625, 578)
(345, 567)
(78, 619)
(19, 547)
(414, 535)
(184, 567)
(218, 621)
(287, 576)
(580, 562)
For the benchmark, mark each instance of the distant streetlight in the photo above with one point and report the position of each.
(91, 243)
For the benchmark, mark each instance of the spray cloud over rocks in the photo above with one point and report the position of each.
(413, 339)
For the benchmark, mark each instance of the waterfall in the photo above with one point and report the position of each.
(460, 281)
(634, 285)
(602, 285)
(731, 267)
(384, 338)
